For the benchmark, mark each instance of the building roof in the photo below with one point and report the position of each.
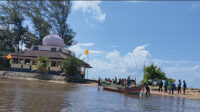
(31, 54)
(36, 53)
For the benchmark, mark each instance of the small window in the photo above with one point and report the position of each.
(53, 49)
(15, 61)
(27, 61)
(35, 48)
(60, 50)
(53, 63)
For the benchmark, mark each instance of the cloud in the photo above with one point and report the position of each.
(114, 64)
(90, 7)
(87, 44)
(113, 46)
(95, 51)
(183, 69)
(79, 49)
(195, 6)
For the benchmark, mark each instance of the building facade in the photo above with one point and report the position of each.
(52, 48)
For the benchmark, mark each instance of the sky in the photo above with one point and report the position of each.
(122, 37)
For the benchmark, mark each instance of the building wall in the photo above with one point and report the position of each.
(28, 75)
(48, 48)
(21, 66)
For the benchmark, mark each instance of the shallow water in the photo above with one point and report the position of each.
(38, 96)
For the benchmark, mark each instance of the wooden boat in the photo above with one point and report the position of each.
(118, 88)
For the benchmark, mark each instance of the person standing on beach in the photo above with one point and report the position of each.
(179, 87)
(160, 86)
(147, 89)
(166, 85)
(172, 86)
(184, 87)
(99, 82)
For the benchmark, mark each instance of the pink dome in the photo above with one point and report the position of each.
(53, 40)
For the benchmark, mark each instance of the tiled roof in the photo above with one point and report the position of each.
(29, 54)
(32, 53)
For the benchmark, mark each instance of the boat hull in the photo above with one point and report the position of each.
(129, 90)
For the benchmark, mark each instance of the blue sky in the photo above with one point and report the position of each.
(122, 36)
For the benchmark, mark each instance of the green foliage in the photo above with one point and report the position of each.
(146, 77)
(4, 64)
(47, 16)
(71, 66)
(6, 42)
(43, 16)
(58, 13)
(171, 80)
(11, 21)
(153, 73)
(42, 64)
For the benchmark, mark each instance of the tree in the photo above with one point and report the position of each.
(153, 73)
(47, 16)
(42, 67)
(12, 20)
(42, 17)
(5, 47)
(71, 66)
(171, 80)
(34, 11)
(58, 12)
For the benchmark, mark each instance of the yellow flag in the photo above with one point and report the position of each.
(9, 56)
(87, 52)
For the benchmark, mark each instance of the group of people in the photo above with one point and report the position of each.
(172, 86)
(122, 82)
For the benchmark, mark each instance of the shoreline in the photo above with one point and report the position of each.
(191, 94)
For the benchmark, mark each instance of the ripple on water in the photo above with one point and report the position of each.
(35, 96)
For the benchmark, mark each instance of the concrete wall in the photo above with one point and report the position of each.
(28, 75)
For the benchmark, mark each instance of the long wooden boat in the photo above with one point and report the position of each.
(118, 88)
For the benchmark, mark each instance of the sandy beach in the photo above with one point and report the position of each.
(190, 93)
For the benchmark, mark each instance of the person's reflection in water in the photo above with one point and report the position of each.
(178, 104)
(183, 104)
(98, 89)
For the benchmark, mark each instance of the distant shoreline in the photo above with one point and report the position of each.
(191, 94)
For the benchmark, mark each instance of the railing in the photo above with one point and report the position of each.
(26, 66)
(55, 69)
(33, 67)
(15, 65)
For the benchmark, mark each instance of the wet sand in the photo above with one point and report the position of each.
(192, 94)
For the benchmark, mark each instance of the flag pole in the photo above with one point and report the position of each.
(87, 62)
